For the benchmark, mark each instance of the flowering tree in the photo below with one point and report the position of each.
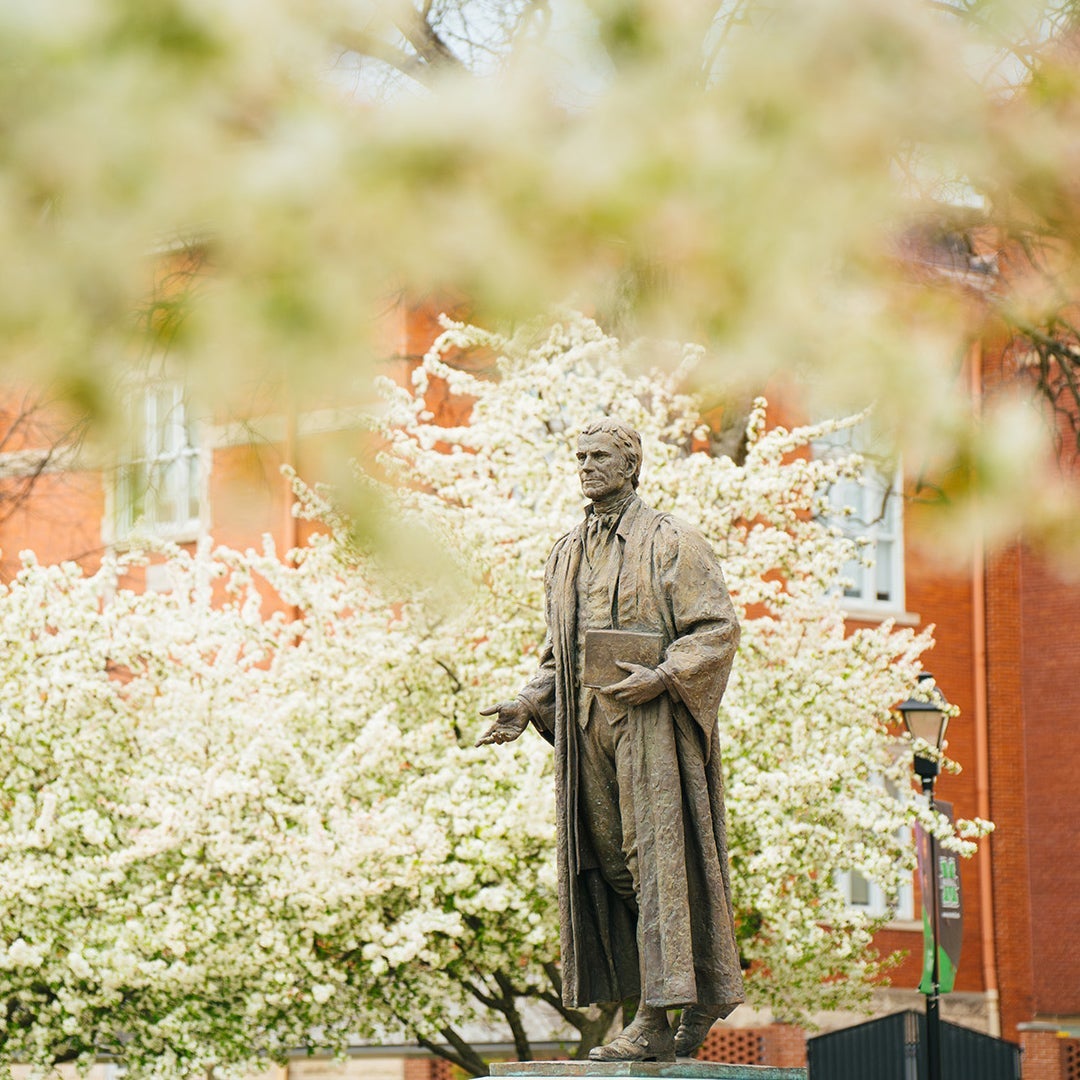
(246, 814)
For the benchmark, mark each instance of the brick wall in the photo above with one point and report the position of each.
(1050, 678)
(1070, 1059)
(734, 1046)
(428, 1068)
(1008, 795)
(61, 520)
(1033, 641)
(1048, 1054)
(785, 1046)
(779, 1045)
(1033, 622)
(942, 597)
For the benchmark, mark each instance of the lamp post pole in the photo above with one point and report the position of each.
(926, 718)
(923, 767)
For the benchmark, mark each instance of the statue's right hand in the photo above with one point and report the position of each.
(513, 719)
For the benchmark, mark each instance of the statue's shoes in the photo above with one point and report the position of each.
(645, 1044)
(693, 1029)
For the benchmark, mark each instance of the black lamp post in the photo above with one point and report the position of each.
(927, 719)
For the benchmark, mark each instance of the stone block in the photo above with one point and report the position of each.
(635, 1070)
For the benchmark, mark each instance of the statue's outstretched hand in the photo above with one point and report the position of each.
(513, 720)
(641, 685)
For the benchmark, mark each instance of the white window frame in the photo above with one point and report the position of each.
(851, 882)
(161, 485)
(871, 896)
(870, 512)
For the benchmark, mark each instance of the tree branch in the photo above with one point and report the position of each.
(20, 470)
(487, 1000)
(595, 1028)
(472, 1062)
(574, 1017)
(551, 970)
(513, 1017)
(591, 1029)
(455, 682)
(1014, 48)
(461, 1061)
(421, 35)
(377, 48)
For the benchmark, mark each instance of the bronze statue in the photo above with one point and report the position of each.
(644, 891)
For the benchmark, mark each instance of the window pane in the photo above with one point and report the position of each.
(160, 484)
(853, 574)
(883, 571)
(194, 487)
(858, 890)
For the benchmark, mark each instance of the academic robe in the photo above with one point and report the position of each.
(669, 581)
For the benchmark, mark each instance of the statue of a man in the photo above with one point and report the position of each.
(644, 891)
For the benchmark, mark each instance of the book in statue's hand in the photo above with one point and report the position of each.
(605, 649)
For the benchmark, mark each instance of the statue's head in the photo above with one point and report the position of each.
(609, 458)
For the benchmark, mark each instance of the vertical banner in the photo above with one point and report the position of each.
(939, 877)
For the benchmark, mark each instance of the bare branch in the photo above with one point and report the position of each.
(422, 36)
(729, 22)
(50, 446)
(378, 48)
(1027, 56)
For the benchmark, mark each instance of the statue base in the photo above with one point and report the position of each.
(643, 1070)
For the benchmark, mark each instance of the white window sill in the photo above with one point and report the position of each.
(899, 923)
(180, 534)
(912, 925)
(876, 613)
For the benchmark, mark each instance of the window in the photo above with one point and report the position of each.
(867, 896)
(160, 485)
(869, 512)
(864, 895)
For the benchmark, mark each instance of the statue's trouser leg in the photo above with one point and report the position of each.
(607, 805)
(607, 802)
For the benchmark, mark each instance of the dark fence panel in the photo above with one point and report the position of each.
(971, 1055)
(882, 1049)
(891, 1048)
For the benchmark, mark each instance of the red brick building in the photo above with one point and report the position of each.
(1007, 653)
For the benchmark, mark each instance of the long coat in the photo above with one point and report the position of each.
(669, 582)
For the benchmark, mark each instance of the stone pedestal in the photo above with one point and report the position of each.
(677, 1070)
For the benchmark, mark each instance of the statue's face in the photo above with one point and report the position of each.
(602, 466)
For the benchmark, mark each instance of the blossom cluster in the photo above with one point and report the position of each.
(245, 812)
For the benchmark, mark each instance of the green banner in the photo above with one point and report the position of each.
(939, 880)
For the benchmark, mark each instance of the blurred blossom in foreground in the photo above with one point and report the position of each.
(746, 176)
